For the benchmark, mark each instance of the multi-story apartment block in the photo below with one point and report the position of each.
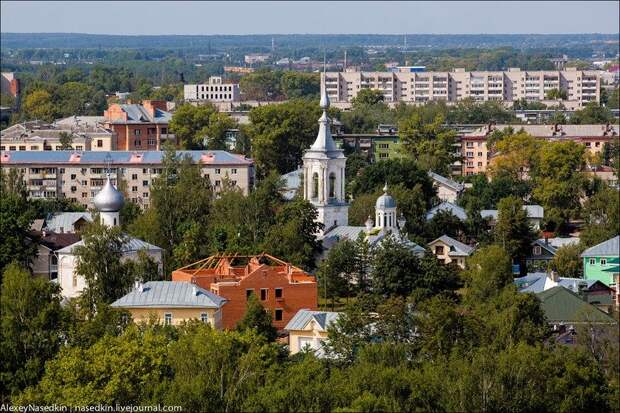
(476, 155)
(139, 126)
(85, 134)
(80, 175)
(581, 87)
(212, 91)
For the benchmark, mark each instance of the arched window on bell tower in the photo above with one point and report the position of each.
(332, 185)
(315, 185)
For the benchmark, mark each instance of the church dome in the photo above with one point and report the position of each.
(385, 200)
(109, 199)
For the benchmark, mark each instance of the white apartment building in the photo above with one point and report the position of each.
(81, 175)
(212, 91)
(580, 86)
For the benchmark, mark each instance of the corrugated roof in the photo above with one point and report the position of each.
(455, 210)
(64, 221)
(457, 248)
(170, 294)
(563, 306)
(450, 183)
(133, 244)
(609, 248)
(120, 157)
(323, 318)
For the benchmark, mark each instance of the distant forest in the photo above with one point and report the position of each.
(222, 42)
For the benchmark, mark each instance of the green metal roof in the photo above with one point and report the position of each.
(563, 306)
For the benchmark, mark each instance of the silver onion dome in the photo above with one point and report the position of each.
(385, 200)
(109, 199)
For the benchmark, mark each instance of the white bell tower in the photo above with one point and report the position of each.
(324, 179)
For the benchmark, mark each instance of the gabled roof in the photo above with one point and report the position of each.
(132, 245)
(170, 294)
(323, 319)
(450, 183)
(532, 211)
(563, 306)
(54, 241)
(609, 248)
(455, 210)
(457, 248)
(64, 221)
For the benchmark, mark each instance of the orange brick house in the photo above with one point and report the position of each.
(282, 288)
(139, 126)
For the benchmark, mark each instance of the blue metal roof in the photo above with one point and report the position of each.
(609, 248)
(118, 157)
(170, 294)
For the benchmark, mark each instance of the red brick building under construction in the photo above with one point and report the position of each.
(282, 288)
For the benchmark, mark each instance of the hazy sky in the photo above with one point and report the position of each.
(168, 17)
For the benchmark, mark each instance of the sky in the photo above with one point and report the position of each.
(278, 17)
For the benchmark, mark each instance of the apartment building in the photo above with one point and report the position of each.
(139, 126)
(80, 175)
(476, 155)
(85, 134)
(215, 90)
(580, 86)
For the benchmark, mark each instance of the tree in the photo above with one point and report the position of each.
(367, 97)
(395, 269)
(602, 217)
(298, 84)
(567, 261)
(32, 321)
(429, 143)
(557, 94)
(189, 123)
(517, 155)
(66, 141)
(39, 105)
(261, 85)
(280, 133)
(614, 99)
(144, 268)
(98, 260)
(488, 271)
(592, 113)
(215, 133)
(336, 271)
(16, 217)
(258, 319)
(512, 230)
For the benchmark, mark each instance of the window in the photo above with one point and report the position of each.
(278, 316)
(99, 143)
(75, 279)
(134, 176)
(34, 148)
(84, 194)
(168, 319)
(145, 183)
(22, 148)
(264, 293)
(315, 185)
(134, 189)
(137, 132)
(278, 292)
(233, 171)
(332, 185)
(592, 261)
(204, 317)
(248, 293)
(79, 148)
(537, 250)
(145, 194)
(439, 250)
(603, 261)
(217, 170)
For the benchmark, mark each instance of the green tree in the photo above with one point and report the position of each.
(395, 269)
(32, 321)
(567, 261)
(557, 94)
(336, 271)
(488, 271)
(39, 105)
(367, 97)
(66, 141)
(512, 230)
(298, 84)
(262, 85)
(215, 133)
(601, 213)
(189, 123)
(280, 133)
(614, 99)
(592, 113)
(98, 260)
(258, 319)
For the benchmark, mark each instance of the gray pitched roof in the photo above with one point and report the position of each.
(170, 294)
(133, 244)
(455, 210)
(64, 221)
(323, 318)
(450, 183)
(292, 181)
(457, 248)
(532, 211)
(609, 248)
